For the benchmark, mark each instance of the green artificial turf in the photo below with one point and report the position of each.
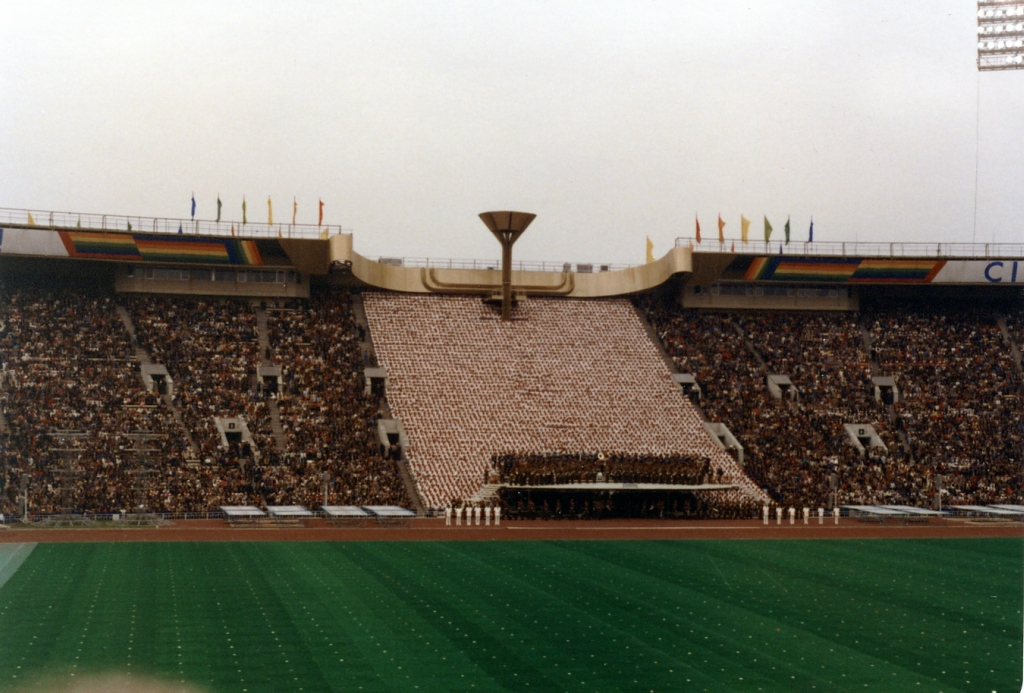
(908, 615)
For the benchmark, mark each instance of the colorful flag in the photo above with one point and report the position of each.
(733, 248)
(810, 232)
(787, 230)
(767, 230)
(698, 228)
(129, 225)
(79, 224)
(721, 229)
(295, 209)
(650, 250)
(744, 228)
(31, 221)
(179, 228)
(321, 219)
(270, 212)
(244, 220)
(193, 205)
(232, 229)
(218, 208)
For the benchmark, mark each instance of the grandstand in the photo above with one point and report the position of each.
(288, 388)
(292, 371)
(564, 376)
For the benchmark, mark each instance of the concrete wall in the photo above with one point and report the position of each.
(466, 281)
(137, 283)
(706, 298)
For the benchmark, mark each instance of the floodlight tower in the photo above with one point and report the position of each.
(507, 227)
(1000, 35)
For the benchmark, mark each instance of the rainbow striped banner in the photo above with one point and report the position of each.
(841, 270)
(917, 271)
(161, 248)
(100, 246)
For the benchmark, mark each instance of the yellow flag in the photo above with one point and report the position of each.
(324, 234)
(744, 228)
(31, 221)
(270, 212)
(650, 250)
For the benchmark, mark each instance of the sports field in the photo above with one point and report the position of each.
(849, 615)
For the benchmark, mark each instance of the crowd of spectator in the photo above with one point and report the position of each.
(210, 348)
(73, 398)
(74, 403)
(516, 471)
(540, 504)
(561, 468)
(960, 399)
(68, 364)
(329, 421)
(958, 412)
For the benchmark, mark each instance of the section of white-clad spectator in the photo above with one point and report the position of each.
(562, 376)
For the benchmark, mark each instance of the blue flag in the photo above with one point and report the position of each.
(810, 234)
(179, 227)
(193, 205)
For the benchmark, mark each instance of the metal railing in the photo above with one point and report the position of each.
(891, 250)
(199, 227)
(192, 227)
(519, 266)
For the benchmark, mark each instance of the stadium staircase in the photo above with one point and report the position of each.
(370, 359)
(142, 356)
(669, 361)
(876, 370)
(749, 344)
(1008, 338)
(5, 430)
(365, 338)
(276, 427)
(488, 493)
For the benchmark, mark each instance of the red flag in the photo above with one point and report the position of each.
(721, 229)
(733, 248)
(321, 220)
(698, 229)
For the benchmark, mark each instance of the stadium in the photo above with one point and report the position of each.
(492, 403)
(187, 417)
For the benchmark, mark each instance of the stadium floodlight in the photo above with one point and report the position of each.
(507, 227)
(1001, 43)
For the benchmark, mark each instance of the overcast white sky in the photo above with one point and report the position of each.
(611, 121)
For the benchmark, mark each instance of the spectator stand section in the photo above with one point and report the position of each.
(273, 393)
(67, 364)
(562, 375)
(892, 406)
